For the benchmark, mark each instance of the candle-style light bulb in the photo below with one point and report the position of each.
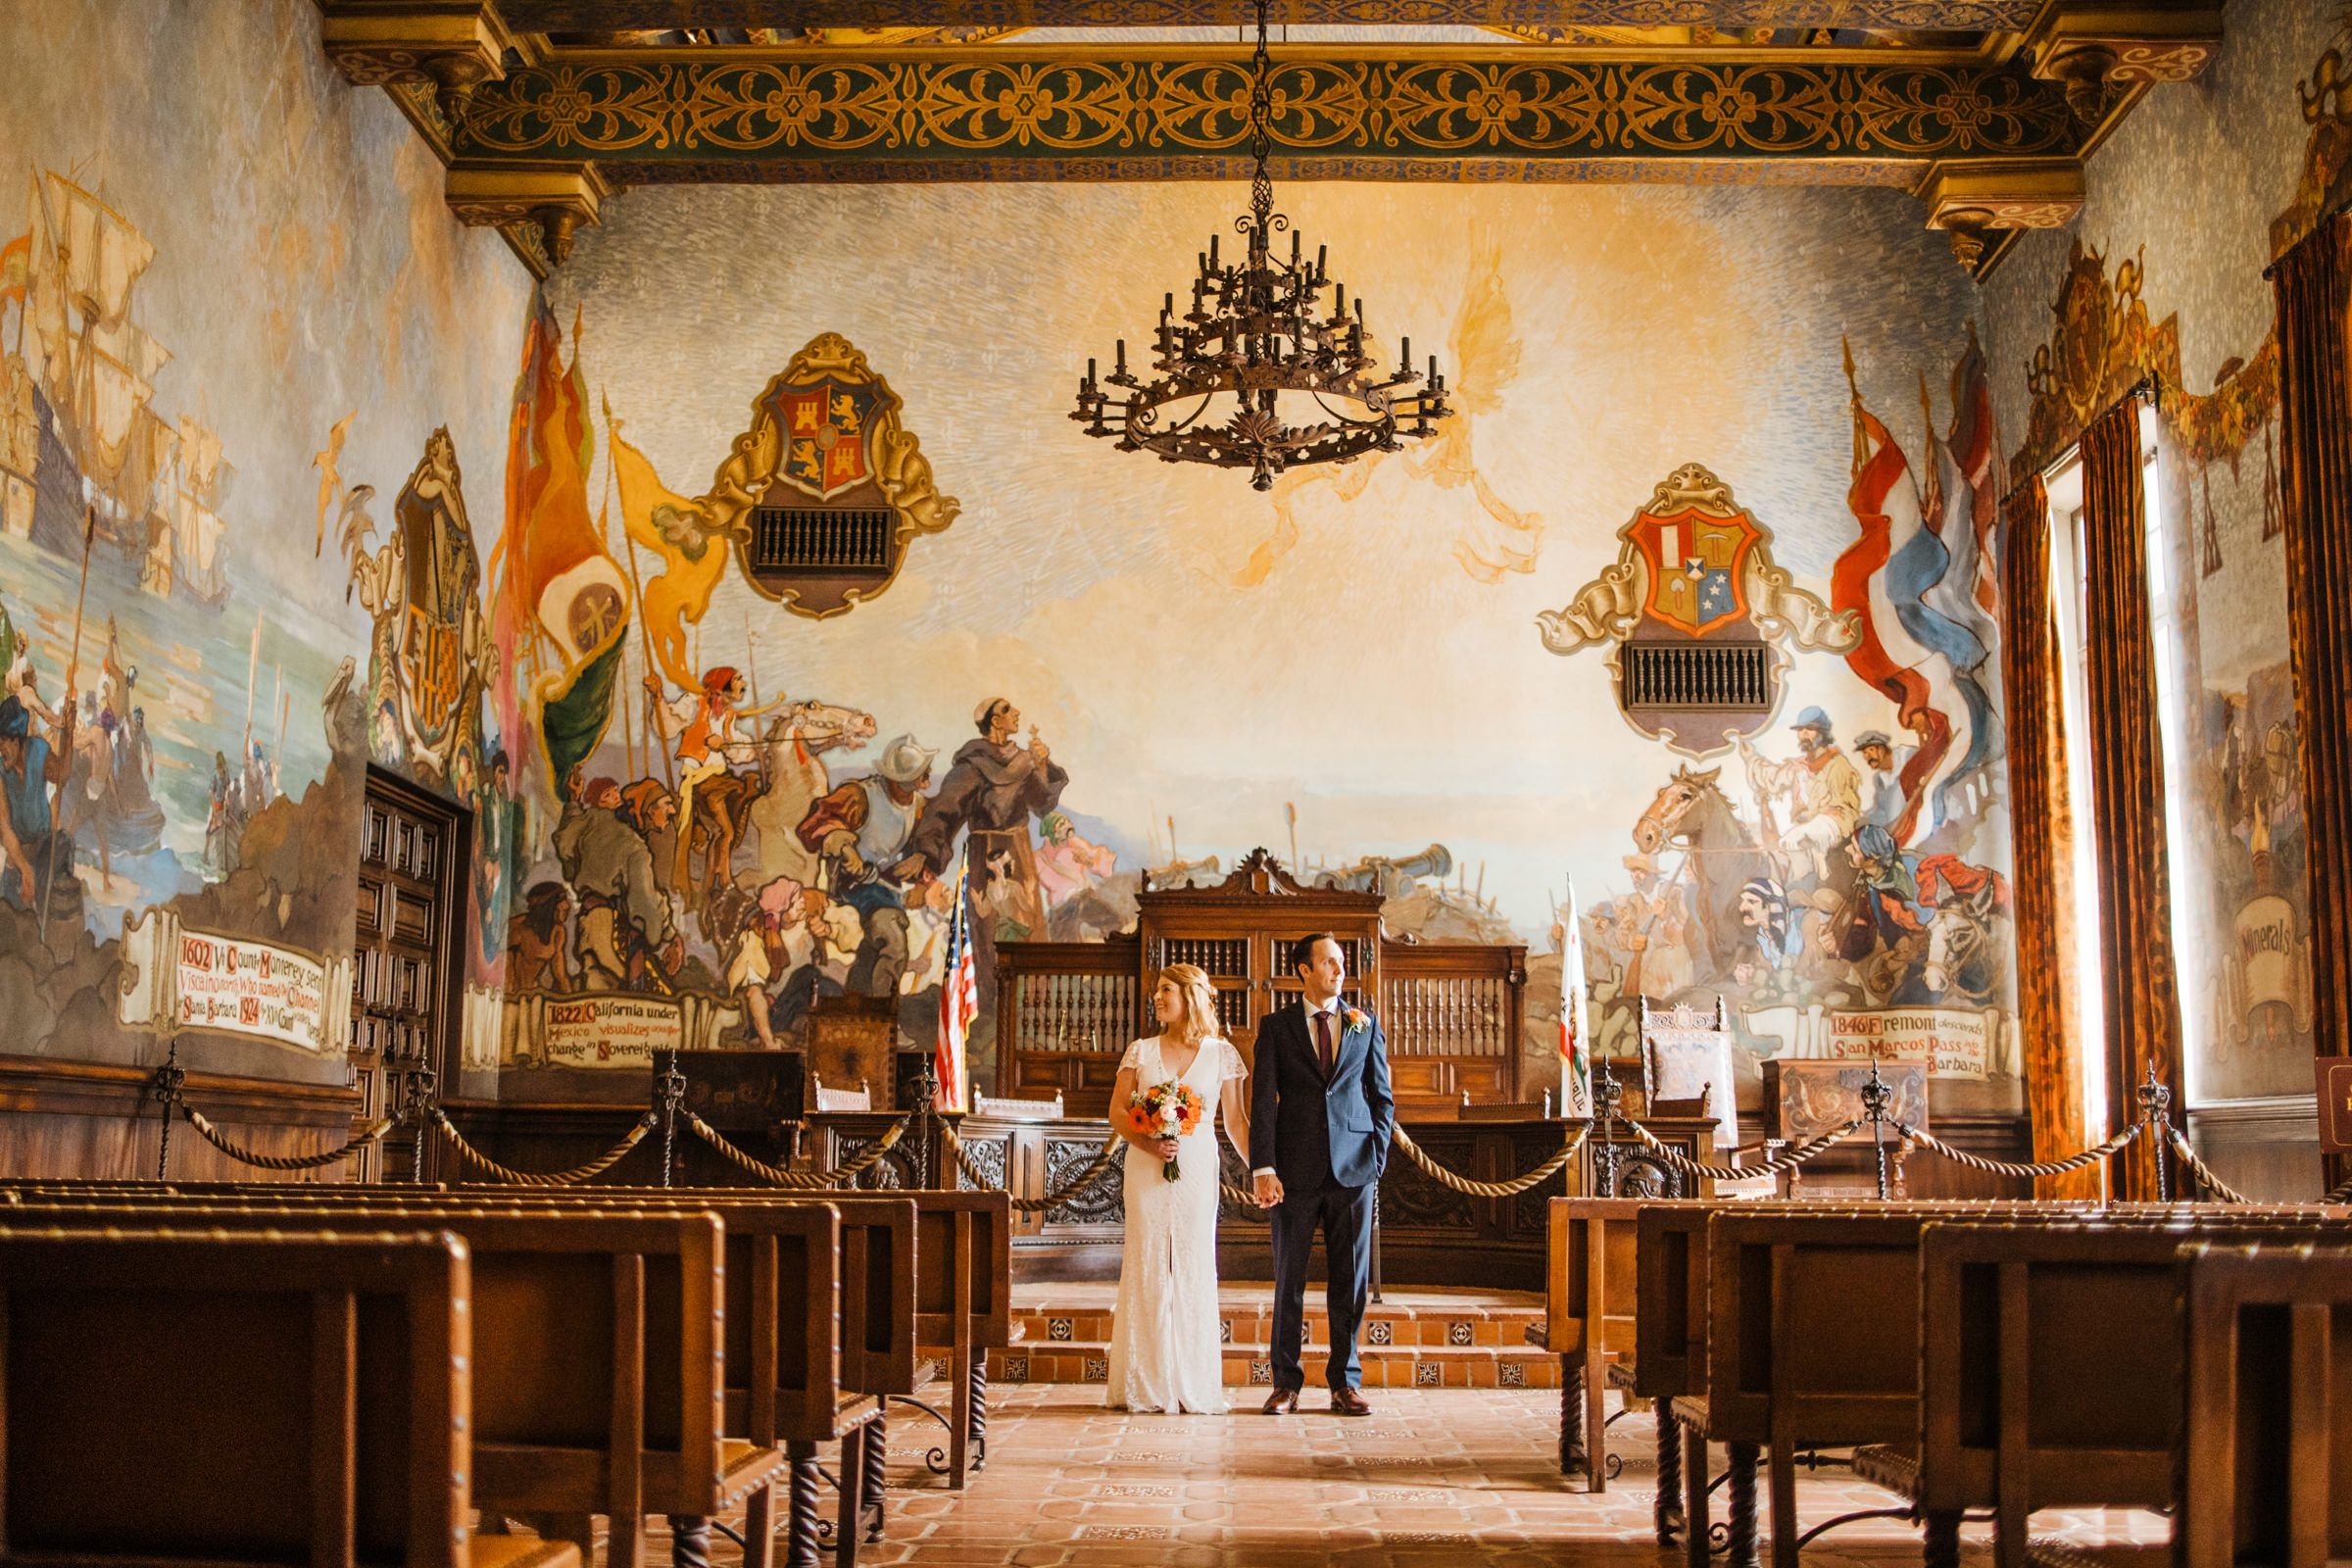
(1213, 250)
(1089, 372)
(1122, 371)
(1321, 251)
(1434, 383)
(1404, 357)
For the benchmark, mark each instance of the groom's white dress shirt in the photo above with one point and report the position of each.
(1330, 1011)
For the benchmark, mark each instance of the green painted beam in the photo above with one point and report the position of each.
(717, 119)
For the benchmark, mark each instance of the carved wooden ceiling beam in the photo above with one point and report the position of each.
(1991, 142)
(612, 16)
(2091, 47)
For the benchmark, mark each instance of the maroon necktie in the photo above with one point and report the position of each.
(1323, 1041)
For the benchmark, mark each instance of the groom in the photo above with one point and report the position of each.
(1320, 1116)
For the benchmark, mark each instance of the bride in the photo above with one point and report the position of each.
(1165, 1352)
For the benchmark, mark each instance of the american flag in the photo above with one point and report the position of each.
(959, 1004)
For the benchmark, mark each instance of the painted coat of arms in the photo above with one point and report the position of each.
(1695, 571)
(828, 427)
(826, 433)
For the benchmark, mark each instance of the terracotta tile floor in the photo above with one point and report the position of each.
(1435, 1477)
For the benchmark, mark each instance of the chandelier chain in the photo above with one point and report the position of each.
(1257, 331)
(1261, 129)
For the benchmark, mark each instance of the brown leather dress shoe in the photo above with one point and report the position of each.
(1346, 1402)
(1283, 1402)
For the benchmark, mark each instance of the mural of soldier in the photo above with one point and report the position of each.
(1824, 793)
(1881, 779)
(602, 845)
(867, 832)
(38, 855)
(995, 788)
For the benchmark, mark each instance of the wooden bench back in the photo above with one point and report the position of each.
(2267, 1406)
(1673, 1305)
(300, 1398)
(596, 1345)
(878, 1334)
(1814, 1312)
(2050, 1359)
(1590, 1294)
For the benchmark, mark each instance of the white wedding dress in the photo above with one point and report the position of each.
(1166, 1351)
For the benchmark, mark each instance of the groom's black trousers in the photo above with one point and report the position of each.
(1344, 1215)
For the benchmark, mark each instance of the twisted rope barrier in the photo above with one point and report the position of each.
(1676, 1159)
(525, 1177)
(236, 1152)
(849, 1170)
(1475, 1189)
(2004, 1167)
(2202, 1171)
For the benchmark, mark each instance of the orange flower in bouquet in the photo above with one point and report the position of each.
(1164, 1110)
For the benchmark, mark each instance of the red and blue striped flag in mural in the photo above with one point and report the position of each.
(959, 1004)
(1920, 659)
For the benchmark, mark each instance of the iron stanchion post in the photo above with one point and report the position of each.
(2155, 1113)
(926, 1095)
(166, 1087)
(1605, 1158)
(1376, 1243)
(417, 1104)
(670, 1088)
(1875, 1097)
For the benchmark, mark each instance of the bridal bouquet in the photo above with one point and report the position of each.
(1164, 1110)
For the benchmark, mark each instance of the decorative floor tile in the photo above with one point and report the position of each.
(1381, 1332)
(1060, 1328)
(1456, 1479)
(1097, 1369)
(1427, 1375)
(1225, 1330)
(1511, 1374)
(1261, 1372)
(1457, 1334)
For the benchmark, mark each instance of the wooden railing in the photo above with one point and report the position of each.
(1066, 1010)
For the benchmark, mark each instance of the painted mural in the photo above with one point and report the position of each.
(2078, 328)
(1104, 671)
(199, 263)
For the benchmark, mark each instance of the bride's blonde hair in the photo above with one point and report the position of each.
(1200, 1021)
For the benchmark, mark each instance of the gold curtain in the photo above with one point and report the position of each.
(2309, 286)
(2042, 841)
(2125, 815)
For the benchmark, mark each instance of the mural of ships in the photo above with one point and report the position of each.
(79, 427)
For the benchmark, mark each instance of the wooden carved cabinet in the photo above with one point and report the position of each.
(1066, 1011)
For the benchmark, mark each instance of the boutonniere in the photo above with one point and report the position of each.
(1358, 1018)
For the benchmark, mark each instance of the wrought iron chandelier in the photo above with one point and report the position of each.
(1256, 331)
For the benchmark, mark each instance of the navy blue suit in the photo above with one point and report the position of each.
(1328, 1140)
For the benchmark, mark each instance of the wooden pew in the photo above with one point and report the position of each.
(1816, 1323)
(1589, 1299)
(876, 1338)
(2267, 1406)
(2050, 1364)
(248, 1364)
(597, 1345)
(1670, 1366)
(1673, 1317)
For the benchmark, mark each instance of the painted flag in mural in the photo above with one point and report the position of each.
(959, 1004)
(692, 559)
(16, 267)
(1576, 1039)
(1921, 660)
(560, 605)
(1967, 509)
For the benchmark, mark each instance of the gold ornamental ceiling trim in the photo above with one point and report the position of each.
(716, 113)
(1501, 51)
(614, 16)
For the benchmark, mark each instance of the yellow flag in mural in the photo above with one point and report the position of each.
(693, 558)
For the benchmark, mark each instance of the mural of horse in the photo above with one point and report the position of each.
(772, 799)
(1691, 814)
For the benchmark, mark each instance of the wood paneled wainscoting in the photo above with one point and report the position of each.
(74, 1120)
